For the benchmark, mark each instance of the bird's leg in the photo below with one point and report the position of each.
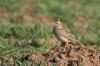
(59, 44)
(63, 45)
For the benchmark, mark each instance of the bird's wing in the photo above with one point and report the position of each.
(67, 35)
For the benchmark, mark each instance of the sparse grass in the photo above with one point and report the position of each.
(16, 37)
(14, 40)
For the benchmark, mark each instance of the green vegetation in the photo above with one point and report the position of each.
(16, 38)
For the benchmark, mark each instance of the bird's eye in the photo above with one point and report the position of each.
(57, 23)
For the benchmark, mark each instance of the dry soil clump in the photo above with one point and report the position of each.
(73, 55)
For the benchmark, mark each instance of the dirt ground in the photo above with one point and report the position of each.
(74, 55)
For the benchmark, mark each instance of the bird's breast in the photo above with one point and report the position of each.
(63, 39)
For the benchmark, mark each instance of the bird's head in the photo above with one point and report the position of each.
(58, 24)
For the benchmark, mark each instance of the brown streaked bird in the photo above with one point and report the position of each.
(63, 34)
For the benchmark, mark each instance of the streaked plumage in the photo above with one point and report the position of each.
(63, 34)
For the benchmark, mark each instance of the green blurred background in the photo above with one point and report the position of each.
(26, 25)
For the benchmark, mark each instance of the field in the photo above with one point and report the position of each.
(26, 25)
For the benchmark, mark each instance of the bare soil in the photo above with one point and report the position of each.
(73, 55)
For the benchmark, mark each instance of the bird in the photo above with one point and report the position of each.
(63, 34)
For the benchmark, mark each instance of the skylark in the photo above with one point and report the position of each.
(63, 34)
